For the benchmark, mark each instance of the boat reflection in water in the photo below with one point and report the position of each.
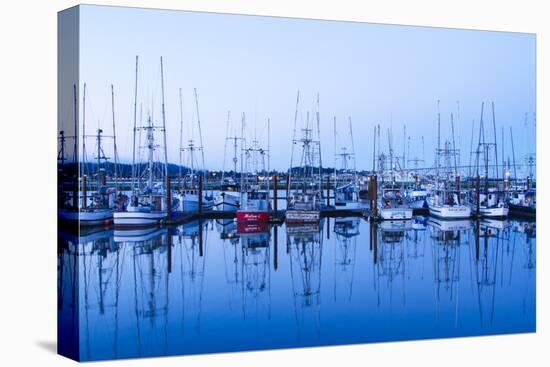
(212, 286)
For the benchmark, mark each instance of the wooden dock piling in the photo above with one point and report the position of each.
(169, 251)
(84, 193)
(168, 198)
(478, 196)
(200, 194)
(375, 197)
(328, 191)
(275, 194)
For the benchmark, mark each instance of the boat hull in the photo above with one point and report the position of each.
(227, 203)
(522, 211)
(499, 212)
(251, 216)
(138, 219)
(396, 213)
(450, 212)
(88, 218)
(302, 216)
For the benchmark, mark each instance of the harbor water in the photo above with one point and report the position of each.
(214, 286)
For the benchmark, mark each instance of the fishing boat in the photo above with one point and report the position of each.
(345, 179)
(191, 195)
(254, 202)
(523, 203)
(446, 204)
(94, 207)
(446, 201)
(304, 203)
(393, 206)
(147, 204)
(229, 198)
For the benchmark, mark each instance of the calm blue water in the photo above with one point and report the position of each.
(202, 288)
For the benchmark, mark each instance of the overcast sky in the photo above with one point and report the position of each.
(391, 75)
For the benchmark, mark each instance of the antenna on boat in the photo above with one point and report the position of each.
(495, 136)
(268, 148)
(335, 153)
(374, 151)
(115, 153)
(84, 131)
(479, 138)
(454, 147)
(438, 151)
(225, 143)
(293, 142)
(404, 145)
(134, 130)
(181, 140)
(242, 152)
(163, 119)
(75, 125)
(513, 154)
(319, 142)
(353, 152)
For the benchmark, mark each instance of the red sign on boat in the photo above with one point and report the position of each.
(252, 216)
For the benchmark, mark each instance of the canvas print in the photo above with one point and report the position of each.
(232, 182)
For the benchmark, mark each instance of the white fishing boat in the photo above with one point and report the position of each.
(189, 191)
(392, 205)
(254, 199)
(447, 201)
(492, 205)
(491, 202)
(345, 179)
(229, 198)
(446, 205)
(94, 207)
(147, 205)
(304, 194)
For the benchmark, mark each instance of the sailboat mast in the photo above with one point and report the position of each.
(454, 147)
(268, 148)
(373, 151)
(115, 151)
(75, 156)
(180, 176)
(293, 142)
(163, 119)
(242, 152)
(84, 131)
(438, 151)
(319, 142)
(513, 154)
(353, 152)
(335, 154)
(495, 136)
(134, 130)
(200, 130)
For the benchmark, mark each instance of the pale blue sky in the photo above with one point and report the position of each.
(373, 73)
